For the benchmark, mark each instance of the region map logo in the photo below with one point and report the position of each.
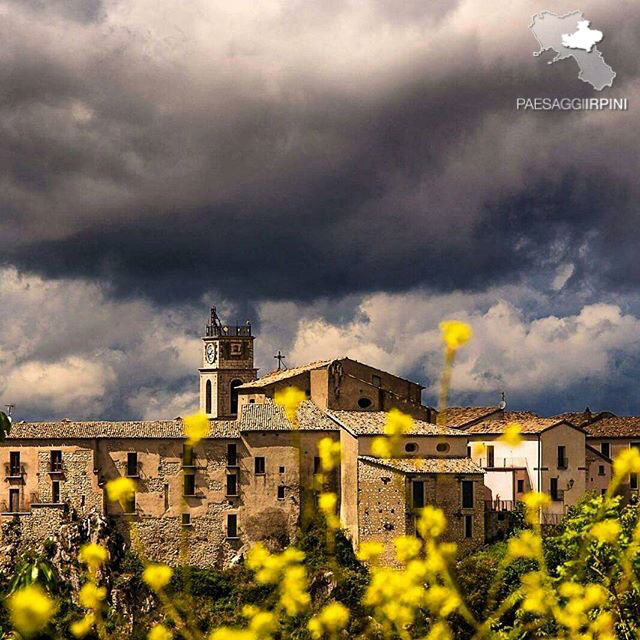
(571, 36)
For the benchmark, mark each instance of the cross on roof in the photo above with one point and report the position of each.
(279, 357)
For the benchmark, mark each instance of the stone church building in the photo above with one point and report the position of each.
(252, 478)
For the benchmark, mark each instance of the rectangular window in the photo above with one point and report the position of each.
(563, 463)
(232, 525)
(633, 480)
(130, 505)
(468, 451)
(260, 465)
(281, 492)
(186, 519)
(520, 486)
(601, 470)
(165, 490)
(605, 449)
(417, 494)
(281, 469)
(468, 526)
(467, 494)
(132, 463)
(553, 489)
(232, 455)
(14, 500)
(491, 456)
(317, 467)
(376, 380)
(56, 461)
(232, 484)
(55, 492)
(635, 445)
(187, 456)
(14, 463)
(189, 484)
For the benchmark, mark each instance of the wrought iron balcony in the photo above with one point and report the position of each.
(14, 470)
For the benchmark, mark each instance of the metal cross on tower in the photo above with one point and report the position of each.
(279, 357)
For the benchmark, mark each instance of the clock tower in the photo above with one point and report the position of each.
(227, 362)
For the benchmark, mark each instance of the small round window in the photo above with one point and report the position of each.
(442, 447)
(364, 403)
(411, 447)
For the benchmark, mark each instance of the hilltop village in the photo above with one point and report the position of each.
(251, 479)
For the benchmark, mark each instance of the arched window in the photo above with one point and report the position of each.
(234, 396)
(208, 396)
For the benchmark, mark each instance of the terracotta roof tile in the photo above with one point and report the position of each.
(527, 425)
(614, 427)
(285, 374)
(460, 416)
(271, 417)
(426, 465)
(67, 429)
(366, 423)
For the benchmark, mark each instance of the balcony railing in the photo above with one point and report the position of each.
(498, 505)
(14, 470)
(552, 518)
(228, 330)
(56, 466)
(502, 463)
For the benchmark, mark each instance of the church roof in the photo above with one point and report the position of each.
(67, 429)
(371, 423)
(284, 374)
(426, 465)
(270, 417)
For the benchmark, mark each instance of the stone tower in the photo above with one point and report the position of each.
(227, 361)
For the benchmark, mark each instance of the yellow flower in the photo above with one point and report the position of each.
(263, 624)
(159, 632)
(196, 428)
(442, 601)
(381, 447)
(369, 551)
(294, 597)
(455, 334)
(257, 556)
(81, 627)
(225, 633)
(93, 555)
(250, 610)
(327, 503)
(91, 596)
(397, 423)
(526, 545)
(534, 501)
(30, 609)
(432, 522)
(627, 462)
(478, 449)
(407, 548)
(512, 435)
(333, 618)
(606, 531)
(536, 599)
(290, 398)
(157, 576)
(329, 453)
(439, 631)
(121, 490)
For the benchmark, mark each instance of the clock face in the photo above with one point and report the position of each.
(210, 353)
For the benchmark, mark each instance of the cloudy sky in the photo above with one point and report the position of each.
(346, 174)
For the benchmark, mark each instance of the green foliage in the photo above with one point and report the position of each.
(5, 425)
(33, 569)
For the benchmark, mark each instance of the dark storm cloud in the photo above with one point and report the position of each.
(124, 164)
